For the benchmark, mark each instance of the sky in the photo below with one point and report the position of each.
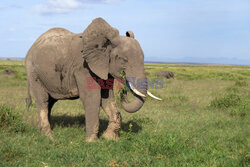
(199, 31)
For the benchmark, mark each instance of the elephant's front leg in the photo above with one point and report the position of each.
(91, 99)
(111, 109)
(92, 108)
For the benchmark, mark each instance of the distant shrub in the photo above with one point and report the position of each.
(232, 103)
(10, 119)
(227, 76)
(240, 83)
(226, 101)
(232, 89)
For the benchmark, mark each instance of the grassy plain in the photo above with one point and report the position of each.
(203, 120)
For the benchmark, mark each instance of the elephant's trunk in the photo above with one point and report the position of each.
(138, 85)
(135, 75)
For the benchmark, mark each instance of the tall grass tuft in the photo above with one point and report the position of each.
(226, 101)
(233, 103)
(11, 120)
(241, 83)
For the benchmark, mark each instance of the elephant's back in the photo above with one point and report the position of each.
(56, 40)
(51, 47)
(48, 57)
(53, 36)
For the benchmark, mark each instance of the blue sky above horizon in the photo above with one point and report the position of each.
(205, 31)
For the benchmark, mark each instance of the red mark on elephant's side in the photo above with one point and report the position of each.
(97, 83)
(91, 83)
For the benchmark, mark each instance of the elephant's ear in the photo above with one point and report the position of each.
(97, 46)
(130, 34)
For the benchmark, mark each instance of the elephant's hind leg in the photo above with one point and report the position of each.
(111, 109)
(51, 103)
(42, 103)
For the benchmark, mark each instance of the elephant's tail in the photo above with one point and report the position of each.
(28, 99)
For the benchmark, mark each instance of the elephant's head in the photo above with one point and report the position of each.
(106, 52)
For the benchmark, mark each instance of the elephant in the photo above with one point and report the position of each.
(60, 64)
(166, 74)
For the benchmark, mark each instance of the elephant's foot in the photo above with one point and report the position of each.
(48, 132)
(113, 128)
(92, 138)
(115, 119)
(110, 135)
(44, 124)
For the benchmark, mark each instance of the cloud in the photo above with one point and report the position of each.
(109, 1)
(100, 1)
(15, 6)
(65, 6)
(1, 6)
(58, 6)
(12, 29)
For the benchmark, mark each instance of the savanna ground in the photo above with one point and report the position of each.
(203, 120)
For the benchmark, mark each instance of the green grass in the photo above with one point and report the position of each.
(203, 120)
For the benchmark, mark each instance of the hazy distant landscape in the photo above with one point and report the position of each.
(12, 58)
(174, 61)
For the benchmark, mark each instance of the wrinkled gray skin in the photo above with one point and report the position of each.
(166, 74)
(59, 63)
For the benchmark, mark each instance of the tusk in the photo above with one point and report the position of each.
(150, 94)
(136, 91)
